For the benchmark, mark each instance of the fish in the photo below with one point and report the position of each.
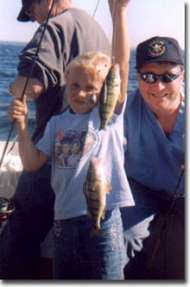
(110, 95)
(96, 186)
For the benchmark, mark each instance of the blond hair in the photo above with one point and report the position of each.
(96, 61)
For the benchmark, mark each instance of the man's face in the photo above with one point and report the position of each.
(38, 11)
(154, 88)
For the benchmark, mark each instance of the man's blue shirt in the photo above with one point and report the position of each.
(153, 158)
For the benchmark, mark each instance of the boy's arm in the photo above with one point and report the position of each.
(120, 42)
(32, 158)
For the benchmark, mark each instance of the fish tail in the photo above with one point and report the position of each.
(96, 228)
(102, 125)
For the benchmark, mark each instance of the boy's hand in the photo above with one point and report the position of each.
(18, 112)
(117, 3)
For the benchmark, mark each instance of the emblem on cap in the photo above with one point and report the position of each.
(156, 48)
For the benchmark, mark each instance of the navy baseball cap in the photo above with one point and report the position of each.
(22, 16)
(159, 49)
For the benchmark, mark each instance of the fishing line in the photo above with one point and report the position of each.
(27, 81)
(96, 8)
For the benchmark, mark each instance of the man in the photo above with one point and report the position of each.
(69, 33)
(155, 123)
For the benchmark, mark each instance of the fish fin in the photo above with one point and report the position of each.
(109, 187)
(96, 227)
(95, 230)
(102, 126)
(103, 214)
(103, 99)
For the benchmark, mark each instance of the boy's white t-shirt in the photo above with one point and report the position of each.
(71, 140)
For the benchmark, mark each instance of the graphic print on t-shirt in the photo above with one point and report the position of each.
(71, 145)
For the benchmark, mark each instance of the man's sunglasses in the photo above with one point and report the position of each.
(152, 78)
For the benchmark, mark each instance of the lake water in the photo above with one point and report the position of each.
(9, 56)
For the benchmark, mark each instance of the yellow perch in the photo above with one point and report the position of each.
(95, 188)
(110, 96)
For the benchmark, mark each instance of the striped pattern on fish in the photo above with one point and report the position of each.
(96, 187)
(110, 95)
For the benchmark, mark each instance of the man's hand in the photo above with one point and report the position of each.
(34, 88)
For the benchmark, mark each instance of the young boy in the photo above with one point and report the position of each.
(77, 254)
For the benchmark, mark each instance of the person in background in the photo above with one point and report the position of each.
(154, 163)
(79, 254)
(69, 33)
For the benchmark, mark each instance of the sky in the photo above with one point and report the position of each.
(146, 18)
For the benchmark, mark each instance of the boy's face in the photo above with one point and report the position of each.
(83, 89)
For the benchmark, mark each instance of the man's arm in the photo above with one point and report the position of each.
(34, 88)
